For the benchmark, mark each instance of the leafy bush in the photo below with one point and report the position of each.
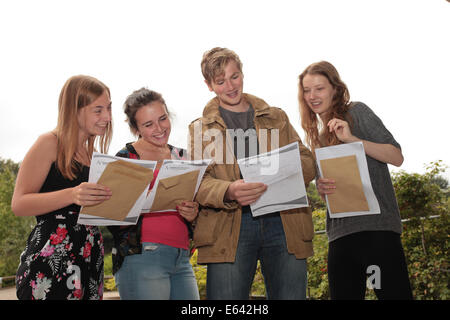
(317, 264)
(14, 230)
(429, 273)
(422, 200)
(109, 283)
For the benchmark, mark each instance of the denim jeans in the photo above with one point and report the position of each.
(263, 239)
(160, 272)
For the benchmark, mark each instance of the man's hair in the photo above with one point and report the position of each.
(215, 60)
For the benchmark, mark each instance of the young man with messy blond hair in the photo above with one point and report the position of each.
(229, 239)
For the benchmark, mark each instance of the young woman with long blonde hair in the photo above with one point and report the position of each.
(62, 259)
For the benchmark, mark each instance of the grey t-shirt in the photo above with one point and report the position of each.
(367, 126)
(241, 128)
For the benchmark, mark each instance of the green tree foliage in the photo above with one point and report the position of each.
(9, 165)
(13, 230)
(420, 196)
(317, 264)
(423, 200)
(315, 201)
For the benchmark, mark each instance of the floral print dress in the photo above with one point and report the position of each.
(62, 259)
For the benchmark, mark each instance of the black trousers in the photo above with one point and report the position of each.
(377, 255)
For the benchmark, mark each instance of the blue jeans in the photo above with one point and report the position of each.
(160, 272)
(260, 238)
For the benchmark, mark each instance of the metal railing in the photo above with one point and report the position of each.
(403, 220)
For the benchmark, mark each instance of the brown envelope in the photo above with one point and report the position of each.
(174, 190)
(349, 195)
(127, 181)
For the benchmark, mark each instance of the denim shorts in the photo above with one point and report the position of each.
(160, 272)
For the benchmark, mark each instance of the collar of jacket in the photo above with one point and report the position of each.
(211, 112)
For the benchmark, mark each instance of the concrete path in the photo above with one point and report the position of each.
(10, 294)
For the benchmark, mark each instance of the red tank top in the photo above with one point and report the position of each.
(164, 227)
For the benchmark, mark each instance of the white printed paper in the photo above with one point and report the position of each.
(281, 171)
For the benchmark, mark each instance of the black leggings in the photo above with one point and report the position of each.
(375, 254)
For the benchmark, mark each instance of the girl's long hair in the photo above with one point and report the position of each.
(316, 133)
(78, 92)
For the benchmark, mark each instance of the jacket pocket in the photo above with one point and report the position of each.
(205, 232)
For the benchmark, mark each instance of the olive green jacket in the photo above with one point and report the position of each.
(216, 233)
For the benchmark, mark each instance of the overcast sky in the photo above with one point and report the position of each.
(393, 55)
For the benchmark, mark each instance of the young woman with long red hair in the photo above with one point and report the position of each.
(355, 243)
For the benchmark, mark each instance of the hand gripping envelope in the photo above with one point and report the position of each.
(172, 191)
(127, 182)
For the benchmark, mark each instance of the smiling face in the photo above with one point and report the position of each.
(228, 87)
(95, 118)
(153, 123)
(318, 93)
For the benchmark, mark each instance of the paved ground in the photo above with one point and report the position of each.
(10, 294)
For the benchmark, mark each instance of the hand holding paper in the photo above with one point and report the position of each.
(89, 194)
(325, 186)
(245, 193)
(188, 210)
